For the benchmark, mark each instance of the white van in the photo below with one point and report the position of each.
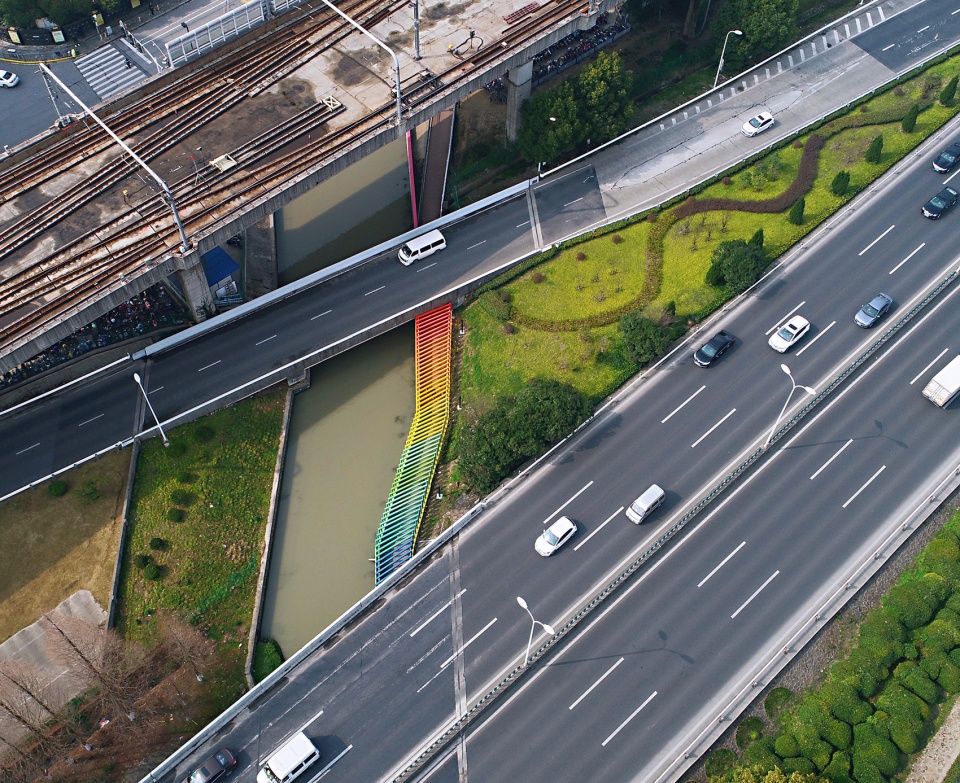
(288, 761)
(645, 504)
(421, 247)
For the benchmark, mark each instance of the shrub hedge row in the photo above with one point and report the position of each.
(879, 704)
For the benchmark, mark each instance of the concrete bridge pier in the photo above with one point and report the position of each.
(519, 85)
(193, 283)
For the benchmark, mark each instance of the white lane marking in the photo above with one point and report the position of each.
(477, 245)
(697, 441)
(922, 29)
(375, 290)
(427, 654)
(264, 341)
(325, 312)
(907, 258)
(333, 761)
(867, 484)
(598, 529)
(159, 388)
(524, 223)
(955, 12)
(569, 203)
(26, 449)
(210, 365)
(603, 676)
(632, 716)
(877, 239)
(820, 334)
(567, 503)
(825, 464)
(466, 645)
(757, 592)
(435, 615)
(924, 370)
(888, 47)
(93, 419)
(677, 409)
(721, 564)
(423, 268)
(784, 319)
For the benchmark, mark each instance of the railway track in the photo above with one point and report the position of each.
(70, 276)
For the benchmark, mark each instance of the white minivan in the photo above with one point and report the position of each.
(289, 760)
(644, 505)
(421, 247)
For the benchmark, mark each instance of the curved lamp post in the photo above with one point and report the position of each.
(794, 387)
(723, 52)
(136, 378)
(533, 624)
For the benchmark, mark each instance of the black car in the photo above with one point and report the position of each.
(948, 158)
(940, 203)
(218, 766)
(714, 349)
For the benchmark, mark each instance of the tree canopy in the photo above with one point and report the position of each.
(767, 25)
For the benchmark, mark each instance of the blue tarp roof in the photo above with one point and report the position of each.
(217, 265)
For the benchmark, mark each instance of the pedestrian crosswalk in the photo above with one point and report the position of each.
(108, 71)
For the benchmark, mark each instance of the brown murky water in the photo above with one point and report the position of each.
(346, 437)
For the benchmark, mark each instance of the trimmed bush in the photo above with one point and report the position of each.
(796, 211)
(799, 764)
(645, 340)
(872, 752)
(916, 679)
(495, 306)
(757, 239)
(760, 754)
(749, 731)
(874, 151)
(157, 544)
(909, 122)
(180, 497)
(175, 514)
(57, 488)
(861, 670)
(838, 770)
(775, 702)
(739, 263)
(844, 702)
(786, 745)
(140, 561)
(152, 572)
(840, 183)
(88, 493)
(719, 763)
(948, 93)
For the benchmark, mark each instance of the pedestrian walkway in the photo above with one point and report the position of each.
(108, 71)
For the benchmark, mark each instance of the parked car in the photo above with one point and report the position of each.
(940, 203)
(947, 159)
(713, 349)
(555, 536)
(873, 311)
(8, 79)
(218, 766)
(789, 334)
(757, 125)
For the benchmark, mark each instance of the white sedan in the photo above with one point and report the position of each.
(8, 79)
(555, 536)
(789, 334)
(757, 125)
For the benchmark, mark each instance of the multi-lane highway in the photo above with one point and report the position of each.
(705, 614)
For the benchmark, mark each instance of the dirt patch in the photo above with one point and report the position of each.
(62, 544)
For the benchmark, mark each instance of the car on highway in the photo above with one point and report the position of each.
(789, 334)
(713, 349)
(555, 536)
(8, 79)
(758, 124)
(217, 767)
(947, 159)
(940, 203)
(873, 311)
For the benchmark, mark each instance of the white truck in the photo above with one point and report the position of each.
(945, 385)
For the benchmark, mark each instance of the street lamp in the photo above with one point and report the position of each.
(136, 378)
(724, 51)
(794, 387)
(533, 623)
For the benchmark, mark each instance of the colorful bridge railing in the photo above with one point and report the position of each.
(411, 487)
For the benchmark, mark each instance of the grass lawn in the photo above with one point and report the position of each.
(218, 474)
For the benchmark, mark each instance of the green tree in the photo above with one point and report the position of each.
(549, 125)
(767, 25)
(948, 93)
(796, 211)
(909, 122)
(602, 92)
(19, 13)
(840, 183)
(645, 340)
(757, 239)
(739, 263)
(875, 150)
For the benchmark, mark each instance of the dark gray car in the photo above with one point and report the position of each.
(873, 311)
(947, 159)
(218, 766)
